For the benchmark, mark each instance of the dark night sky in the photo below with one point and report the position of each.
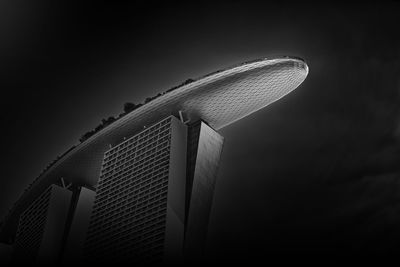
(316, 173)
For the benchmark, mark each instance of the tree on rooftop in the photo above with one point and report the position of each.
(128, 107)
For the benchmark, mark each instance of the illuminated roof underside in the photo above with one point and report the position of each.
(219, 99)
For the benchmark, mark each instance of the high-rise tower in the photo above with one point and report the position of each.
(154, 194)
(41, 227)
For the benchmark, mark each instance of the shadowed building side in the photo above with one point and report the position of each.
(204, 151)
(75, 238)
(41, 227)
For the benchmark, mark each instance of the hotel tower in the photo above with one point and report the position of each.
(140, 190)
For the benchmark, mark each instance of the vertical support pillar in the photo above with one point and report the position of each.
(204, 152)
(175, 221)
(79, 226)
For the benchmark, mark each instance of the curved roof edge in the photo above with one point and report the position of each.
(164, 96)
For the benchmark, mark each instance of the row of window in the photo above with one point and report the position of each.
(137, 235)
(131, 178)
(115, 192)
(130, 184)
(155, 158)
(131, 197)
(40, 203)
(153, 130)
(130, 228)
(104, 220)
(137, 150)
(133, 207)
(31, 226)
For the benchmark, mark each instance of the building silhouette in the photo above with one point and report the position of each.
(41, 227)
(140, 190)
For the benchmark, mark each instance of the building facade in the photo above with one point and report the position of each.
(153, 171)
(41, 227)
(143, 199)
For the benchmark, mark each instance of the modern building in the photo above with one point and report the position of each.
(154, 169)
(151, 204)
(140, 199)
(41, 227)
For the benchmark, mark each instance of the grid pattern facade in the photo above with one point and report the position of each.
(31, 228)
(129, 214)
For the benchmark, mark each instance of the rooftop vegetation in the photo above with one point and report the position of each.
(128, 107)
